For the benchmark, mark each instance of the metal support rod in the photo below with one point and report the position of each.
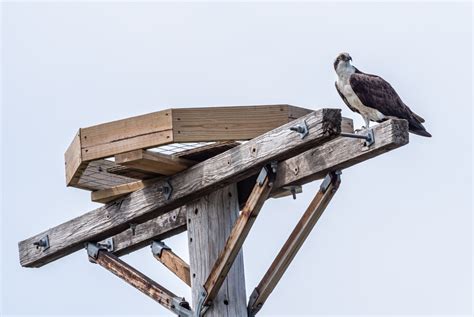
(287, 253)
(369, 137)
(239, 232)
(173, 262)
(138, 280)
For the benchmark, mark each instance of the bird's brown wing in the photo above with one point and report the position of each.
(374, 92)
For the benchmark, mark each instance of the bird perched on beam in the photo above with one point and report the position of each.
(372, 97)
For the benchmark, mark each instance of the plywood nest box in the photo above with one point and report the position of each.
(207, 171)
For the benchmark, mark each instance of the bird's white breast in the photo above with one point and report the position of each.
(346, 89)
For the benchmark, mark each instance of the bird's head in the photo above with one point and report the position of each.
(343, 59)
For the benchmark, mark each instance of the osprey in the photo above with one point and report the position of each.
(372, 97)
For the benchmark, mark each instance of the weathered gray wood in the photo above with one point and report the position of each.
(306, 167)
(141, 235)
(201, 179)
(210, 220)
(340, 154)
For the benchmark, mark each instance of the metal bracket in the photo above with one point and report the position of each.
(369, 137)
(293, 190)
(268, 170)
(181, 307)
(332, 177)
(42, 243)
(201, 308)
(166, 189)
(252, 311)
(157, 247)
(301, 129)
(94, 248)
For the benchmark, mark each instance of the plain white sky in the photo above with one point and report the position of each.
(395, 240)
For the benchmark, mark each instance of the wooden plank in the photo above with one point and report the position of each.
(110, 194)
(172, 261)
(73, 159)
(96, 176)
(228, 123)
(306, 167)
(236, 238)
(123, 129)
(137, 279)
(210, 221)
(149, 202)
(293, 244)
(153, 162)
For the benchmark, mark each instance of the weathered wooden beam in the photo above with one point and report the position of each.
(173, 262)
(298, 236)
(309, 166)
(153, 200)
(239, 232)
(153, 162)
(136, 279)
(138, 236)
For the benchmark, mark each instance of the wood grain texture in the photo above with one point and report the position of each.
(340, 154)
(142, 235)
(153, 162)
(175, 264)
(229, 123)
(306, 167)
(292, 246)
(135, 278)
(205, 152)
(236, 239)
(210, 221)
(110, 194)
(149, 202)
(73, 159)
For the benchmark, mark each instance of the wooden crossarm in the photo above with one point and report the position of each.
(237, 236)
(293, 244)
(311, 165)
(136, 279)
(173, 262)
(200, 179)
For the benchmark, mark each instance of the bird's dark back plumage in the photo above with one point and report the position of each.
(374, 92)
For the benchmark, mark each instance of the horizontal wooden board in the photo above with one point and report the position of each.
(158, 163)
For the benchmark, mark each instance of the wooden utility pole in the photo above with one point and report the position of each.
(210, 221)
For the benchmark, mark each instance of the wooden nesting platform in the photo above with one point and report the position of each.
(116, 158)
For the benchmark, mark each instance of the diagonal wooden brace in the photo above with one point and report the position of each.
(287, 253)
(98, 254)
(240, 230)
(174, 263)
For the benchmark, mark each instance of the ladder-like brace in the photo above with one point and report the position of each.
(240, 230)
(173, 262)
(301, 231)
(99, 254)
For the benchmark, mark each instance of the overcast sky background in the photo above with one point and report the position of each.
(396, 239)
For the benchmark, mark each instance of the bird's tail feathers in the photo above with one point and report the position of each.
(415, 127)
